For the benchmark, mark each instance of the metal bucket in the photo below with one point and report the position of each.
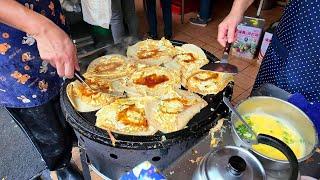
(284, 110)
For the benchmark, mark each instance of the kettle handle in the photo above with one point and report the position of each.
(285, 149)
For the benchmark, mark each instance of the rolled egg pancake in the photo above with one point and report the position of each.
(191, 56)
(151, 52)
(152, 81)
(206, 82)
(188, 57)
(172, 111)
(83, 99)
(125, 116)
(110, 67)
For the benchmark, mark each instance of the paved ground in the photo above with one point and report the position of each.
(18, 157)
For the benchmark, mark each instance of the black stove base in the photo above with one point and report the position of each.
(114, 162)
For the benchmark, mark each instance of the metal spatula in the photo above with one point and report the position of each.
(223, 66)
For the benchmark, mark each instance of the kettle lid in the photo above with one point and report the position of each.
(231, 162)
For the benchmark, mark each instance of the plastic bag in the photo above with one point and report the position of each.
(71, 5)
(97, 12)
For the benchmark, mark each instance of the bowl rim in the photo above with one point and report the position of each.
(305, 157)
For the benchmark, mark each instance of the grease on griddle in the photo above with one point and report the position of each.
(194, 152)
(197, 160)
(216, 138)
(163, 138)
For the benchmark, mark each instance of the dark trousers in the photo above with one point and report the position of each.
(123, 11)
(50, 133)
(205, 9)
(152, 17)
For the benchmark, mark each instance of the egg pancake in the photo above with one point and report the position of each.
(191, 56)
(110, 67)
(151, 81)
(125, 116)
(172, 111)
(84, 99)
(188, 58)
(206, 82)
(151, 52)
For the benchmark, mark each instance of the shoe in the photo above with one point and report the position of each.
(209, 19)
(148, 36)
(168, 37)
(70, 172)
(198, 22)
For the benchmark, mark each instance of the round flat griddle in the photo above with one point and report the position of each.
(198, 126)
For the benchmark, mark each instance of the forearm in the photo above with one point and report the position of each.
(20, 17)
(240, 6)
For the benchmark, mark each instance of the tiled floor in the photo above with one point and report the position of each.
(205, 37)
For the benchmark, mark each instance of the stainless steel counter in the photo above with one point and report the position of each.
(185, 166)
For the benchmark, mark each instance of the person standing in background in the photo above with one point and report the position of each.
(205, 13)
(152, 18)
(123, 11)
(34, 52)
(292, 59)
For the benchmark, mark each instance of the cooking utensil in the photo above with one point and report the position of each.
(223, 66)
(229, 162)
(232, 162)
(259, 8)
(79, 77)
(286, 111)
(254, 135)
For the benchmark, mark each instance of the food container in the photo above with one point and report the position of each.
(266, 41)
(249, 33)
(264, 45)
(248, 37)
(286, 111)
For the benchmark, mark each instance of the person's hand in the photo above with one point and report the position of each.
(55, 47)
(227, 29)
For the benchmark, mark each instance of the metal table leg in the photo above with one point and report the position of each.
(182, 11)
(84, 164)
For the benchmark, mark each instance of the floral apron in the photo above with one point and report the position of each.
(26, 80)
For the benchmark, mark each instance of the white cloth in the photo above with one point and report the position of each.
(97, 12)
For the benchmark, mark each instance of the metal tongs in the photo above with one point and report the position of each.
(251, 141)
(79, 77)
(223, 66)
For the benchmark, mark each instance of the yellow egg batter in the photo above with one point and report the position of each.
(266, 124)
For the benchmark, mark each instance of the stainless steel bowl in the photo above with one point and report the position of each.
(286, 111)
